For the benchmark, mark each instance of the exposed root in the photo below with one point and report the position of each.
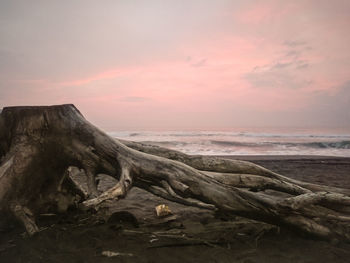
(222, 165)
(257, 183)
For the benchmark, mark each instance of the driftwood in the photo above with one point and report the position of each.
(39, 144)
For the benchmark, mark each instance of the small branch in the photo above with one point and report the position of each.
(113, 193)
(118, 191)
(24, 215)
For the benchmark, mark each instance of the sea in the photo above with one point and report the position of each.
(261, 141)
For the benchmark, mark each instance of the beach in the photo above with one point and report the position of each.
(134, 233)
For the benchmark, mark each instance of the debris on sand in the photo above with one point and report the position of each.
(110, 254)
(163, 210)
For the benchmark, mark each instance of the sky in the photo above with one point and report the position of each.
(180, 64)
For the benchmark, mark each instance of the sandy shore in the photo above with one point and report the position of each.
(327, 170)
(190, 235)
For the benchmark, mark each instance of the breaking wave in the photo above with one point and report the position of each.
(244, 143)
(321, 145)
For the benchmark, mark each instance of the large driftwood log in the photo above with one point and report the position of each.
(38, 144)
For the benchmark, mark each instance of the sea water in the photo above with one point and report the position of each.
(248, 141)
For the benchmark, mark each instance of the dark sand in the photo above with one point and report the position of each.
(195, 235)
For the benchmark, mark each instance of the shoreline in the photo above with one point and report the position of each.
(282, 157)
(326, 170)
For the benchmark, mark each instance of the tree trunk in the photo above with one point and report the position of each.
(38, 144)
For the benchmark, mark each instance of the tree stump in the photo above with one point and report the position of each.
(38, 144)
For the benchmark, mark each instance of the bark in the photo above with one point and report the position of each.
(39, 144)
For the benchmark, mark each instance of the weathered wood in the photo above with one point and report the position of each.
(216, 164)
(39, 144)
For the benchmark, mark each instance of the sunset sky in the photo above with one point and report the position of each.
(180, 64)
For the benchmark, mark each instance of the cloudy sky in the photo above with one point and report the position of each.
(180, 64)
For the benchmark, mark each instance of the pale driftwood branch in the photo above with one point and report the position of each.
(222, 165)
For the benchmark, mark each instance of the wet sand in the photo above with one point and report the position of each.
(190, 235)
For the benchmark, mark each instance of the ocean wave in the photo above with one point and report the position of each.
(223, 143)
(225, 135)
(321, 145)
(231, 143)
(336, 145)
(240, 144)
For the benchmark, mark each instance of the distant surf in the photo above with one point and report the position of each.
(244, 143)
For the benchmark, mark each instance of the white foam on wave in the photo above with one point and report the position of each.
(244, 143)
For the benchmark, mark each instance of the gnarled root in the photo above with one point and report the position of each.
(226, 166)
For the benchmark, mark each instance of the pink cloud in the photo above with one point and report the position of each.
(110, 74)
(211, 86)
